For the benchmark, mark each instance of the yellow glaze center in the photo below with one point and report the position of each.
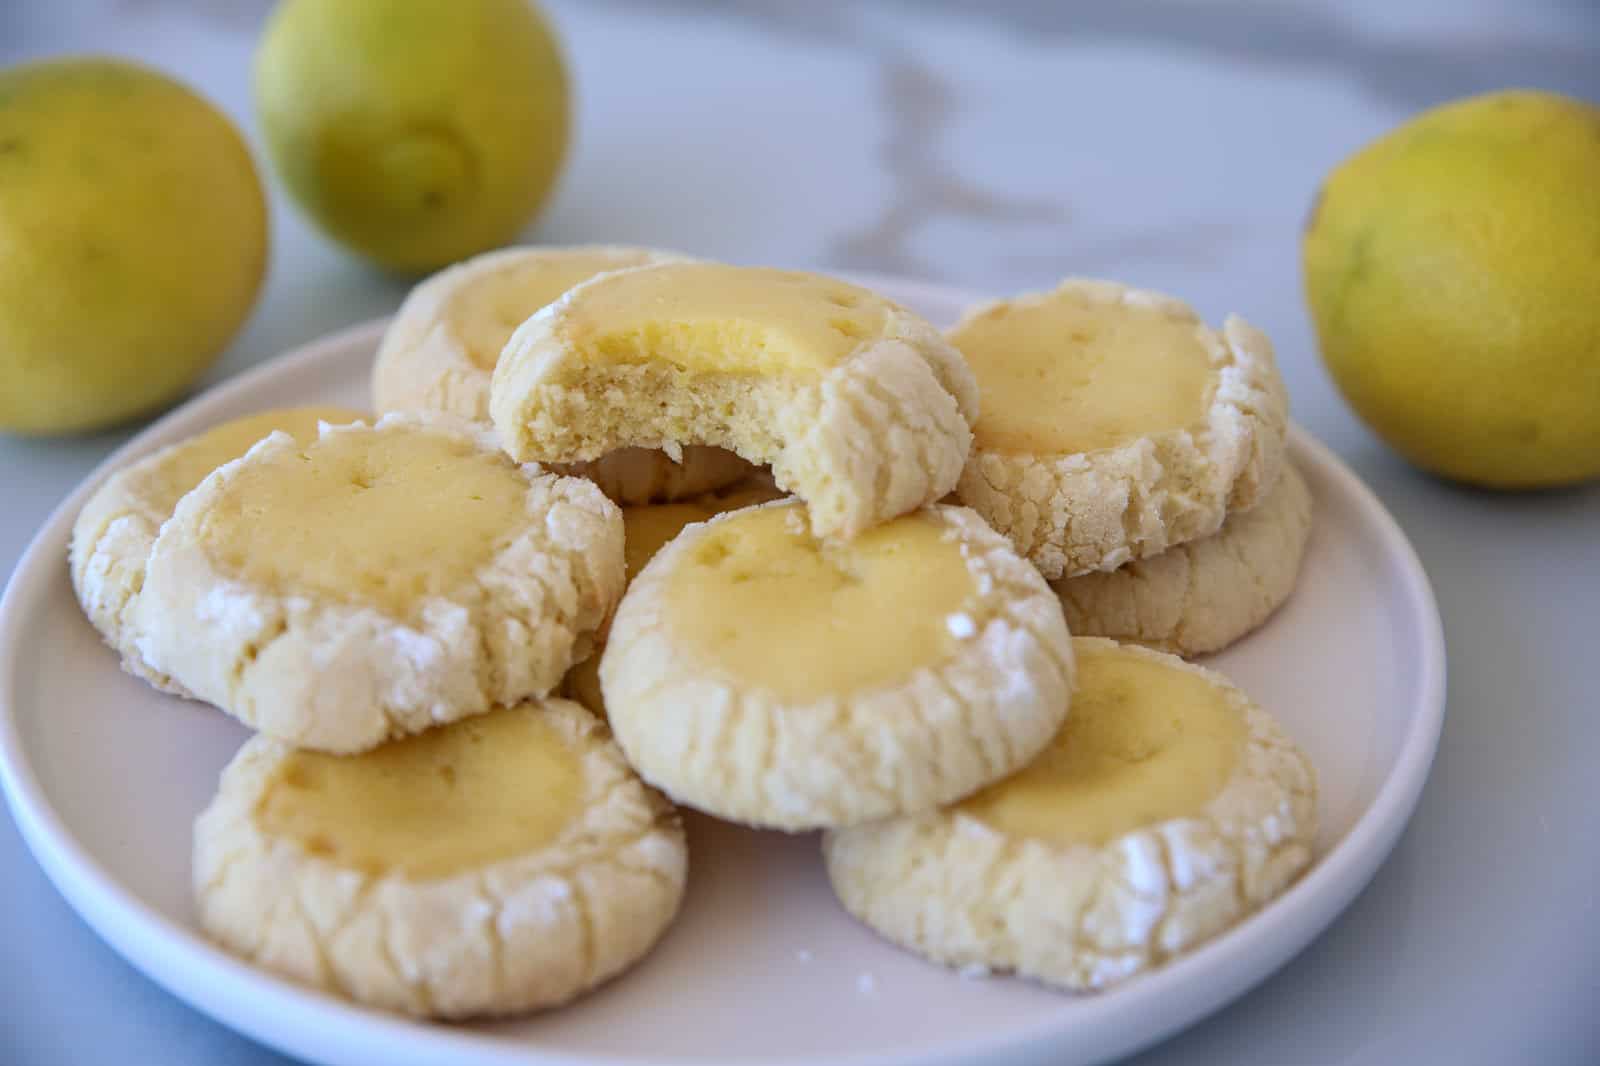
(378, 519)
(189, 463)
(648, 527)
(455, 798)
(1069, 375)
(759, 598)
(488, 311)
(710, 318)
(1144, 742)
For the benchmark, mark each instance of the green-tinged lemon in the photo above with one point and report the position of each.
(133, 240)
(416, 132)
(1453, 271)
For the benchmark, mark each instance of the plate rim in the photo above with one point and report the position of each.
(309, 1024)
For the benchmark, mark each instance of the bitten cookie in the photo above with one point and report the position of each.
(768, 677)
(648, 527)
(1167, 809)
(377, 581)
(113, 535)
(1201, 596)
(496, 865)
(860, 407)
(440, 351)
(1115, 423)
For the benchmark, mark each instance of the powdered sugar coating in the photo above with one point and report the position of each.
(1083, 917)
(344, 677)
(1201, 596)
(115, 532)
(1075, 513)
(738, 751)
(529, 931)
(883, 432)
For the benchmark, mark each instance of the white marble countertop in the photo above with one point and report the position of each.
(1171, 143)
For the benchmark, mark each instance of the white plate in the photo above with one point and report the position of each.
(105, 776)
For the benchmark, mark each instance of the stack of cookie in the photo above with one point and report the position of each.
(388, 604)
(781, 625)
(1136, 457)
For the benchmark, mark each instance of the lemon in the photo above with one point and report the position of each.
(416, 133)
(133, 239)
(1453, 273)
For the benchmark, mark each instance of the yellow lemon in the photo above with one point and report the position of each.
(133, 239)
(1453, 272)
(416, 133)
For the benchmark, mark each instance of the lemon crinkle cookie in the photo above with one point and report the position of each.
(769, 677)
(860, 407)
(439, 355)
(113, 534)
(1202, 595)
(377, 581)
(498, 864)
(1167, 809)
(1115, 423)
(648, 527)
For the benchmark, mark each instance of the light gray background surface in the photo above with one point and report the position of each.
(1172, 144)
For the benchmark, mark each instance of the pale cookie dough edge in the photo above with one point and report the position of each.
(108, 555)
(343, 678)
(734, 750)
(1201, 596)
(109, 552)
(521, 933)
(954, 890)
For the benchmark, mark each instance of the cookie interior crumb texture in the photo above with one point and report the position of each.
(859, 406)
(723, 320)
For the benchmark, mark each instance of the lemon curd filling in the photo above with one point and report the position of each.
(1143, 743)
(189, 464)
(759, 598)
(454, 798)
(486, 313)
(1069, 375)
(649, 527)
(710, 318)
(376, 519)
